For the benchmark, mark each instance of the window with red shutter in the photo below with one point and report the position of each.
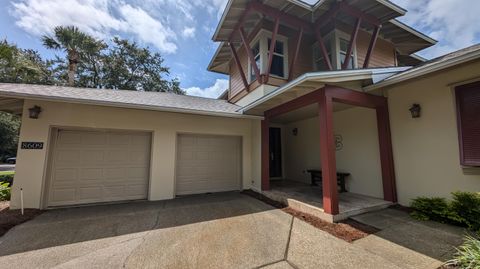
(468, 114)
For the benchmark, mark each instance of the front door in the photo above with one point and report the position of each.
(275, 152)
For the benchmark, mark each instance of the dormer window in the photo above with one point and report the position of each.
(260, 49)
(278, 61)
(336, 43)
(258, 59)
(342, 52)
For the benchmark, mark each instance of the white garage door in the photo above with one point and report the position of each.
(208, 164)
(96, 166)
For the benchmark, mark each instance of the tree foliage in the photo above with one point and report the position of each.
(9, 129)
(88, 62)
(23, 65)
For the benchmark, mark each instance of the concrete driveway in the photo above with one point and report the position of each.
(227, 230)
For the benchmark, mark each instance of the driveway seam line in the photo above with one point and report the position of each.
(292, 264)
(268, 264)
(285, 256)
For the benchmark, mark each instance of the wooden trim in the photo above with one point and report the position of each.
(325, 98)
(353, 42)
(305, 100)
(295, 55)
(460, 122)
(240, 23)
(323, 49)
(265, 152)
(272, 49)
(249, 53)
(354, 98)
(327, 154)
(386, 154)
(239, 65)
(371, 47)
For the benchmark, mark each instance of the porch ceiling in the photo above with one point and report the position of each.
(11, 105)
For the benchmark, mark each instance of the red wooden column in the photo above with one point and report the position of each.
(265, 159)
(386, 153)
(327, 154)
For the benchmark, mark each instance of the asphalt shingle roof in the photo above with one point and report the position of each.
(120, 98)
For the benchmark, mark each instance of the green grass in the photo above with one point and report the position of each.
(6, 173)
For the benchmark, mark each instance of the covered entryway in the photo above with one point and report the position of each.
(294, 100)
(208, 163)
(98, 166)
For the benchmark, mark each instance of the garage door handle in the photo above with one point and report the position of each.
(271, 156)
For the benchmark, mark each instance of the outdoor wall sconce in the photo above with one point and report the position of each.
(295, 131)
(415, 110)
(34, 112)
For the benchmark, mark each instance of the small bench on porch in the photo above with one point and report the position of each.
(317, 175)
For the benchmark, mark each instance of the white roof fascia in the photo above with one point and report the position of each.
(318, 76)
(125, 105)
(224, 15)
(413, 31)
(420, 71)
(392, 6)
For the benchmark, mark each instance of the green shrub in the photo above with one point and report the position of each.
(466, 206)
(463, 209)
(468, 254)
(435, 208)
(7, 178)
(4, 191)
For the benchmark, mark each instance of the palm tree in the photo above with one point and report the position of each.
(75, 43)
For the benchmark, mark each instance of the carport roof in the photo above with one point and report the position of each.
(160, 101)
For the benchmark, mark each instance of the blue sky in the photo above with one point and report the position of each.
(181, 30)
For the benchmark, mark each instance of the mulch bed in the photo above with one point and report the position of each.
(10, 218)
(348, 230)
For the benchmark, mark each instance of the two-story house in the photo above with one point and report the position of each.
(330, 95)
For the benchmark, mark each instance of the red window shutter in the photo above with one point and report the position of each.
(468, 113)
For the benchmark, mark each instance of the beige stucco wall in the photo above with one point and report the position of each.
(359, 156)
(31, 164)
(426, 150)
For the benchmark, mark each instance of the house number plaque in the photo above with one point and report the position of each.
(32, 145)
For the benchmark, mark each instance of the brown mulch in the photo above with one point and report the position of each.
(348, 230)
(11, 218)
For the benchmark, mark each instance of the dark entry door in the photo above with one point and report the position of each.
(275, 152)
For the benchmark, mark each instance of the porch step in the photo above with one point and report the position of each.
(316, 209)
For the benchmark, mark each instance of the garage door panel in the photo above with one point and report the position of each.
(105, 166)
(60, 196)
(207, 164)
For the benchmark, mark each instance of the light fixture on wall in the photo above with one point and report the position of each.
(295, 131)
(415, 110)
(34, 112)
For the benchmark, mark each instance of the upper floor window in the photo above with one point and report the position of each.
(258, 59)
(342, 52)
(278, 61)
(468, 109)
(336, 44)
(260, 50)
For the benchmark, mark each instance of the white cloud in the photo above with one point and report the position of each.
(96, 17)
(148, 29)
(454, 23)
(213, 91)
(188, 32)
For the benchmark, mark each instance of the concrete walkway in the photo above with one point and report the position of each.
(228, 230)
(407, 242)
